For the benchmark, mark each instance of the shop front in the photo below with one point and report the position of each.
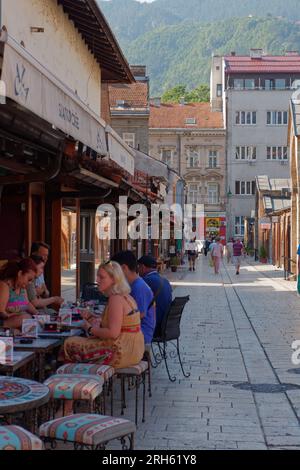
(215, 226)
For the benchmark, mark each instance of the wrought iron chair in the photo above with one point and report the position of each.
(169, 332)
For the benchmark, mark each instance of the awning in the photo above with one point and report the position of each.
(120, 152)
(31, 85)
(151, 166)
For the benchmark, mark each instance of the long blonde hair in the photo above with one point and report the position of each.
(114, 270)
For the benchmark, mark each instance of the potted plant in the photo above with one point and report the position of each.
(249, 251)
(174, 263)
(263, 257)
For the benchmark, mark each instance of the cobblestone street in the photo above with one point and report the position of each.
(244, 391)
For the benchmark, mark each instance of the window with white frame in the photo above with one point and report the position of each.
(247, 152)
(245, 118)
(212, 159)
(193, 193)
(245, 188)
(239, 227)
(87, 233)
(277, 118)
(129, 138)
(277, 153)
(167, 156)
(213, 193)
(193, 157)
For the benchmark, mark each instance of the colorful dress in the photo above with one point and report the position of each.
(128, 349)
(17, 303)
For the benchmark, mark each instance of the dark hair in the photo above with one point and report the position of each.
(37, 245)
(10, 270)
(37, 259)
(126, 257)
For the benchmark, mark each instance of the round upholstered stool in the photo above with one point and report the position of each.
(88, 431)
(136, 376)
(16, 438)
(76, 388)
(106, 372)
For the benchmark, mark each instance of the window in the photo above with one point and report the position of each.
(280, 84)
(194, 158)
(219, 89)
(249, 84)
(193, 194)
(243, 118)
(277, 153)
(213, 193)
(244, 84)
(190, 121)
(245, 153)
(245, 188)
(270, 84)
(277, 118)
(238, 84)
(239, 228)
(167, 156)
(212, 159)
(129, 139)
(86, 234)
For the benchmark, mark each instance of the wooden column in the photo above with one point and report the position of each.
(77, 248)
(56, 247)
(28, 220)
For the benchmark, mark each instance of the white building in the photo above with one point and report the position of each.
(253, 92)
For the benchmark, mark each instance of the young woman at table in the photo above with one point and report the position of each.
(38, 302)
(14, 304)
(119, 340)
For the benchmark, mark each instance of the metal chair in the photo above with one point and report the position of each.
(170, 331)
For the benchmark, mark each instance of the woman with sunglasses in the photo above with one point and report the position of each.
(119, 340)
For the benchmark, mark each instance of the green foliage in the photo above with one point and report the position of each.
(174, 95)
(263, 252)
(176, 38)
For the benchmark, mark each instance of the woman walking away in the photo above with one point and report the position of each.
(192, 254)
(217, 254)
(229, 250)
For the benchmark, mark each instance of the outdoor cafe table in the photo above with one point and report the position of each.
(21, 396)
(41, 347)
(62, 336)
(24, 361)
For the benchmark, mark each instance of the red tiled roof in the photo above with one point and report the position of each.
(174, 116)
(267, 64)
(135, 95)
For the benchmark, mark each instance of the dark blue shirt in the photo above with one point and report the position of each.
(143, 296)
(164, 298)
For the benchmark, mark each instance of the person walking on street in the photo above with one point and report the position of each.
(192, 253)
(229, 250)
(238, 249)
(206, 246)
(217, 254)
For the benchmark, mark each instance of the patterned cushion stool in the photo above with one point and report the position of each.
(16, 438)
(76, 388)
(88, 431)
(106, 372)
(136, 375)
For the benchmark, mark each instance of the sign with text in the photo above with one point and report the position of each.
(6, 349)
(30, 328)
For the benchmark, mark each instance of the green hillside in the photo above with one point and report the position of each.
(182, 53)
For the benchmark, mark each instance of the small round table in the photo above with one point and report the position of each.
(22, 396)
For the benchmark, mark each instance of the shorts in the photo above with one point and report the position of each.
(237, 260)
(192, 257)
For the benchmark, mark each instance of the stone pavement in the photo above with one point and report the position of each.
(244, 391)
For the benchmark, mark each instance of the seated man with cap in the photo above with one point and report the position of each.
(160, 287)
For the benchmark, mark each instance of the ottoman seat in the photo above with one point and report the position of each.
(87, 369)
(16, 438)
(74, 387)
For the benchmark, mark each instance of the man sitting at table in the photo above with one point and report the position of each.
(41, 249)
(140, 291)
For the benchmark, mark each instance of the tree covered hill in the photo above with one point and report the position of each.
(176, 38)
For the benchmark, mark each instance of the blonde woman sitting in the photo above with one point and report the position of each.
(119, 340)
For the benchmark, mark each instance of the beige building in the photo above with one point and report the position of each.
(294, 146)
(190, 138)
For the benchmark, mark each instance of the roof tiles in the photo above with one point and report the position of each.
(168, 116)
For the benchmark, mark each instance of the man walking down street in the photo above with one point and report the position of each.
(161, 288)
(140, 291)
(229, 250)
(238, 249)
(217, 254)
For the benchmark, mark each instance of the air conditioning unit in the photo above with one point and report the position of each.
(252, 162)
(285, 192)
(284, 162)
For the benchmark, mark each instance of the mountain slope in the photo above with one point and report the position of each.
(185, 50)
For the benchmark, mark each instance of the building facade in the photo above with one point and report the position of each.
(253, 92)
(190, 138)
(294, 146)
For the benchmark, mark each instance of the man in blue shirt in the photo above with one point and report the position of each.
(160, 287)
(140, 291)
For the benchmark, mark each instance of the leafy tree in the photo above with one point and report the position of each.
(175, 94)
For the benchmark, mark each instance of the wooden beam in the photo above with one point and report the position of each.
(77, 248)
(56, 247)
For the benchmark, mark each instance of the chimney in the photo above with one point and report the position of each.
(155, 102)
(182, 101)
(233, 53)
(256, 53)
